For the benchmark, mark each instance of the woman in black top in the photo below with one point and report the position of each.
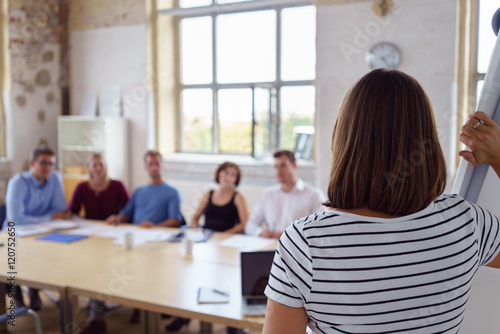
(225, 209)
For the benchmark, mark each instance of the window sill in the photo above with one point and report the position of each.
(201, 167)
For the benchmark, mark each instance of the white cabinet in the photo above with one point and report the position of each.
(81, 136)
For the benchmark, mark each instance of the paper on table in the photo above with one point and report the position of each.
(90, 229)
(31, 229)
(141, 236)
(61, 224)
(116, 232)
(246, 242)
(195, 234)
(208, 295)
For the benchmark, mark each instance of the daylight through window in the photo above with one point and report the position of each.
(246, 75)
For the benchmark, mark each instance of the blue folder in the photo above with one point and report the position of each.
(60, 237)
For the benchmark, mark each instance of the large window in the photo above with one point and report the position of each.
(485, 40)
(246, 74)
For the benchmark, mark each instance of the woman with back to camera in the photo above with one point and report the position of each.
(393, 255)
(100, 197)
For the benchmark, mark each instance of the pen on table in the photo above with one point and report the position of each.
(220, 292)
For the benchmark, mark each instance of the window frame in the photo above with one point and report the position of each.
(232, 8)
(476, 76)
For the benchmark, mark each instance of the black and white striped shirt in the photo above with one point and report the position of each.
(412, 274)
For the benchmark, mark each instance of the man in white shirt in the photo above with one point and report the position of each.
(285, 202)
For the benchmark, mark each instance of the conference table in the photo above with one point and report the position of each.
(155, 277)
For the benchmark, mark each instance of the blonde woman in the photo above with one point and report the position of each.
(99, 196)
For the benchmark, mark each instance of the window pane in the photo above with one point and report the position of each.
(246, 47)
(194, 3)
(197, 120)
(486, 36)
(235, 120)
(262, 104)
(297, 113)
(298, 44)
(196, 50)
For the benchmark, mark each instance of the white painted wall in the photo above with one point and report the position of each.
(425, 33)
(115, 56)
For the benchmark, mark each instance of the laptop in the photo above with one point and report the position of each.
(255, 269)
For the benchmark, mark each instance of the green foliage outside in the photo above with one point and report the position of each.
(197, 137)
(287, 136)
(238, 137)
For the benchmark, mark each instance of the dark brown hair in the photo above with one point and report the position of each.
(153, 153)
(41, 150)
(289, 154)
(386, 152)
(226, 165)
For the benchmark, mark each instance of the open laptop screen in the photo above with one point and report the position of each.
(255, 269)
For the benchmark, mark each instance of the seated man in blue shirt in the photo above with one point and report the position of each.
(153, 204)
(35, 196)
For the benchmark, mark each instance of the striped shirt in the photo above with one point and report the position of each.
(412, 274)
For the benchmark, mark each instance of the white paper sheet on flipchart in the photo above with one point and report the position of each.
(143, 236)
(90, 229)
(31, 229)
(246, 242)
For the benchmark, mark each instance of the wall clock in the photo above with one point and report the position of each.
(383, 55)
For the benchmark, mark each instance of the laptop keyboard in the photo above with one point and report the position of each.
(255, 301)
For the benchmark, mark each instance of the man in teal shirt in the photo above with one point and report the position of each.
(35, 196)
(153, 204)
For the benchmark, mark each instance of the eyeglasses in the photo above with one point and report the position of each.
(45, 163)
(229, 173)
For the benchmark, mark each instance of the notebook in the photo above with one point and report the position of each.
(60, 237)
(208, 295)
(255, 269)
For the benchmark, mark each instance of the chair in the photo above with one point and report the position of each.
(183, 221)
(21, 311)
(2, 214)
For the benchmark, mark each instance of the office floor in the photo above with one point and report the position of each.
(116, 320)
